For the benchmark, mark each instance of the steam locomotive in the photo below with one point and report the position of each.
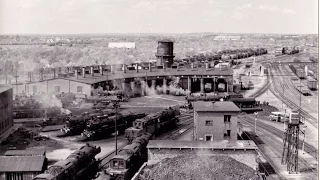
(131, 157)
(154, 124)
(289, 51)
(77, 124)
(79, 165)
(128, 161)
(103, 125)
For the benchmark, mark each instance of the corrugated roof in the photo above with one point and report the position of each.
(21, 163)
(25, 153)
(167, 144)
(219, 106)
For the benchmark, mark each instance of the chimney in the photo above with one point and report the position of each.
(192, 65)
(54, 73)
(207, 65)
(76, 73)
(29, 73)
(137, 68)
(41, 75)
(83, 72)
(101, 70)
(124, 68)
(91, 71)
(163, 66)
(149, 67)
(111, 69)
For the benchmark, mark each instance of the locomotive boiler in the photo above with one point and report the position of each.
(79, 165)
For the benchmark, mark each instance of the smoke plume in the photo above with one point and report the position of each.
(50, 101)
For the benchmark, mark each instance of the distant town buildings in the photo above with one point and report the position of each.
(127, 45)
(223, 38)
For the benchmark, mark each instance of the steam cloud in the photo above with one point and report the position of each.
(50, 101)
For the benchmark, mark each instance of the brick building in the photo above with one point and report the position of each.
(6, 100)
(215, 121)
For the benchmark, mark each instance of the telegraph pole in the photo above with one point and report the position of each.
(116, 106)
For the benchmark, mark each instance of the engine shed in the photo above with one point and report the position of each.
(244, 151)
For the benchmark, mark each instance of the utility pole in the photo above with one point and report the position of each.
(255, 122)
(116, 106)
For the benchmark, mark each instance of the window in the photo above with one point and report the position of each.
(121, 164)
(227, 133)
(79, 89)
(209, 123)
(57, 89)
(209, 137)
(114, 163)
(227, 118)
(35, 89)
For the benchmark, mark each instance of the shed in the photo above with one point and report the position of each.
(21, 167)
(25, 153)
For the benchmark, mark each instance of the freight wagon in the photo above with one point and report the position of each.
(312, 84)
(298, 71)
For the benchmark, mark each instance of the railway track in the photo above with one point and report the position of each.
(277, 150)
(289, 102)
(307, 147)
(262, 90)
(184, 117)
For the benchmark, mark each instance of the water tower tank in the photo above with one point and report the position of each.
(164, 53)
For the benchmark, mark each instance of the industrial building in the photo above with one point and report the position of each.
(22, 165)
(6, 108)
(222, 38)
(215, 121)
(86, 80)
(127, 45)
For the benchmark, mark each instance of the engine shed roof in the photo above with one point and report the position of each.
(221, 145)
(21, 163)
(25, 153)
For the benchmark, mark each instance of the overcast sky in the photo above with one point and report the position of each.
(158, 16)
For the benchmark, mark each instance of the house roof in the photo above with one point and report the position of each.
(25, 153)
(4, 88)
(21, 163)
(168, 144)
(219, 106)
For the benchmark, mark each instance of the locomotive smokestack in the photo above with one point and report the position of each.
(137, 68)
(76, 73)
(164, 66)
(54, 73)
(91, 71)
(83, 72)
(101, 70)
(111, 67)
(124, 68)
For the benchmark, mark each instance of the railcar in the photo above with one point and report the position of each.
(154, 124)
(128, 161)
(248, 105)
(312, 84)
(298, 71)
(82, 160)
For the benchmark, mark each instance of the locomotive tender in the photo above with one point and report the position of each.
(81, 160)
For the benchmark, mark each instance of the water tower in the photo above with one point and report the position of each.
(164, 53)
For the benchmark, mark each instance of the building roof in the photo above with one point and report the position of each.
(155, 72)
(165, 40)
(219, 106)
(25, 153)
(4, 88)
(21, 163)
(168, 144)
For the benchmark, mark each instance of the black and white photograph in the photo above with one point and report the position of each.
(159, 89)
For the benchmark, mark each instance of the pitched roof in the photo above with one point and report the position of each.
(25, 153)
(219, 106)
(21, 163)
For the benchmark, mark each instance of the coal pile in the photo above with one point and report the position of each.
(199, 168)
